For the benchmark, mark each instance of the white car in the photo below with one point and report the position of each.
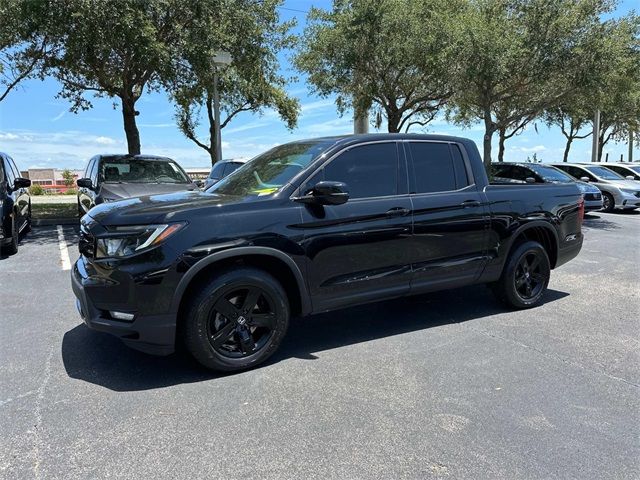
(617, 192)
(630, 171)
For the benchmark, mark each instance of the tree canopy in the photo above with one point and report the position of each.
(253, 34)
(391, 56)
(515, 58)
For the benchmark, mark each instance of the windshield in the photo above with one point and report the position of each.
(605, 173)
(268, 172)
(551, 174)
(141, 170)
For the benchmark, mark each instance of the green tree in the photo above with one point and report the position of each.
(515, 58)
(390, 56)
(23, 47)
(253, 34)
(68, 177)
(616, 89)
(115, 49)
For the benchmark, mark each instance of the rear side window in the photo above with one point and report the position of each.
(231, 167)
(436, 169)
(217, 171)
(368, 170)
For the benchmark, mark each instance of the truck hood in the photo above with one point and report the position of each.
(152, 209)
(116, 191)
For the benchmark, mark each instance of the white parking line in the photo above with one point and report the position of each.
(64, 253)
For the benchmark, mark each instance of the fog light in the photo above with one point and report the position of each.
(121, 316)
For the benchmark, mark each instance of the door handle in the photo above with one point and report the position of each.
(398, 212)
(470, 203)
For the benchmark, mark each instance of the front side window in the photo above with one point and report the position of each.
(368, 170)
(9, 172)
(435, 169)
(604, 173)
(1, 170)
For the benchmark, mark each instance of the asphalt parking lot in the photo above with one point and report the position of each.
(447, 385)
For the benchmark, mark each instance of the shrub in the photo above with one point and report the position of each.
(71, 191)
(36, 189)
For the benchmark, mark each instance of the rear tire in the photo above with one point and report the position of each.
(608, 202)
(525, 276)
(236, 320)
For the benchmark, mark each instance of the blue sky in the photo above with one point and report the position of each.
(38, 130)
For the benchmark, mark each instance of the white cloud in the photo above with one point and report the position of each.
(535, 149)
(105, 141)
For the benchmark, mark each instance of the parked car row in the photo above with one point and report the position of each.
(602, 186)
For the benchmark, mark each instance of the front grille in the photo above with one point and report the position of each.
(593, 196)
(87, 243)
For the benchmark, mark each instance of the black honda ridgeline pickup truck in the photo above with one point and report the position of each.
(312, 226)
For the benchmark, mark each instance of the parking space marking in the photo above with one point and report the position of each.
(64, 252)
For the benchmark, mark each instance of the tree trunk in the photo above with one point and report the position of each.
(502, 132)
(130, 128)
(393, 122)
(567, 147)
(489, 128)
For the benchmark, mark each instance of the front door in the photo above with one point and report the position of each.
(358, 251)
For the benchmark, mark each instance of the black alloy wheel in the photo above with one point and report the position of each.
(236, 319)
(525, 276)
(241, 321)
(529, 276)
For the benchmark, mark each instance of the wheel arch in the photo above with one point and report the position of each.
(273, 261)
(540, 232)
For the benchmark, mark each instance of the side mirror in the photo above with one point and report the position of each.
(84, 183)
(326, 193)
(584, 179)
(530, 180)
(630, 177)
(20, 182)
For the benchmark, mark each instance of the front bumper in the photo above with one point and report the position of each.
(627, 201)
(153, 334)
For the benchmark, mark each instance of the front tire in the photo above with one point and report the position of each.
(12, 248)
(608, 202)
(236, 320)
(525, 276)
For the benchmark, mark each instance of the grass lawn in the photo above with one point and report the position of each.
(53, 210)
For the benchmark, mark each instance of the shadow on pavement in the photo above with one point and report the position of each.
(104, 360)
(595, 221)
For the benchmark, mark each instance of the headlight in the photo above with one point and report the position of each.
(628, 191)
(126, 241)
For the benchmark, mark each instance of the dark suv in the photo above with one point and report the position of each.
(15, 204)
(313, 226)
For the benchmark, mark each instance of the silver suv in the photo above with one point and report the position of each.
(617, 192)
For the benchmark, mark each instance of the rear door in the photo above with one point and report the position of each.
(450, 218)
(359, 251)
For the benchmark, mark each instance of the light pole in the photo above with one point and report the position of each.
(220, 59)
